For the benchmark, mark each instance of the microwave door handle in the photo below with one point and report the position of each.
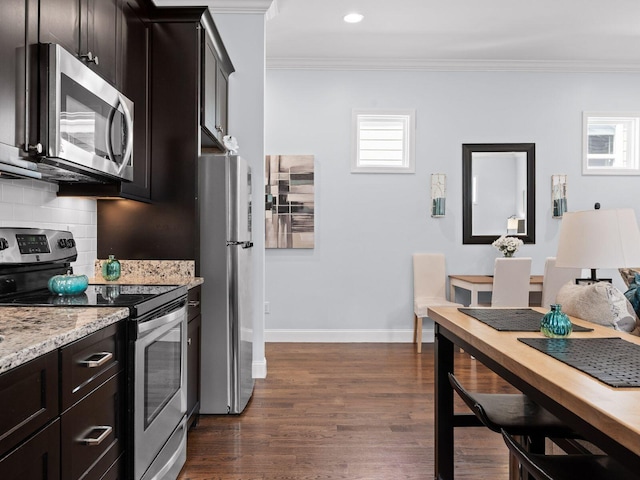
(128, 120)
(129, 124)
(109, 128)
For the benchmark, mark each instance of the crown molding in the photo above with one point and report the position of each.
(409, 64)
(223, 6)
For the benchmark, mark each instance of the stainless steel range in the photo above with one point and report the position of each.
(156, 362)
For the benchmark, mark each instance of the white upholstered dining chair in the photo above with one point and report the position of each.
(429, 289)
(511, 279)
(554, 278)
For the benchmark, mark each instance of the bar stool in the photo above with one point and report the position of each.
(515, 413)
(567, 467)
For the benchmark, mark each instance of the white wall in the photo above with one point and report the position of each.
(243, 35)
(32, 203)
(356, 284)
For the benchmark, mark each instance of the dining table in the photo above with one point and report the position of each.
(608, 416)
(475, 284)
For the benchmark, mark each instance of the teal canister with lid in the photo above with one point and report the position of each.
(111, 269)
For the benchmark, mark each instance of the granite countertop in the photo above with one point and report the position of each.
(190, 282)
(151, 272)
(29, 332)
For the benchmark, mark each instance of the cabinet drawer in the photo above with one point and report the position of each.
(90, 361)
(38, 458)
(92, 432)
(194, 302)
(117, 471)
(29, 399)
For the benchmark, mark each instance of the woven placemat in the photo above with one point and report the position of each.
(512, 319)
(613, 361)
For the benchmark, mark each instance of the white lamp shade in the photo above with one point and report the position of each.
(599, 239)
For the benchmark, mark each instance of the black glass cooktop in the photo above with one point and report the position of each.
(97, 296)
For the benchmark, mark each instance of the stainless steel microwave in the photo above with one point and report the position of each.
(84, 125)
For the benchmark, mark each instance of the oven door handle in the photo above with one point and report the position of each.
(173, 317)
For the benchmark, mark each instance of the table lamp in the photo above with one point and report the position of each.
(599, 239)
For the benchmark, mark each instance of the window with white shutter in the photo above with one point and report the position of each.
(383, 141)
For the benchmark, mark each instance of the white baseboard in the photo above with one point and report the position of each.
(259, 368)
(346, 336)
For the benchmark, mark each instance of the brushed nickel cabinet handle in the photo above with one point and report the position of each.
(96, 360)
(90, 58)
(93, 441)
(194, 303)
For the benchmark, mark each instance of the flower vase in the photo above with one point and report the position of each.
(111, 269)
(555, 323)
(508, 254)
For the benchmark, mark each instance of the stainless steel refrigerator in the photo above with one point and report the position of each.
(225, 263)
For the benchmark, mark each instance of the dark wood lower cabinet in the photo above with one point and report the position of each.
(117, 470)
(92, 433)
(193, 357)
(28, 399)
(36, 459)
(82, 437)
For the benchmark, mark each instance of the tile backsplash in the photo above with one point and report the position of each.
(32, 203)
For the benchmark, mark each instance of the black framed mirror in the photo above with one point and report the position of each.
(498, 192)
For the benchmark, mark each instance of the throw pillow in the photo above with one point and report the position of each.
(600, 303)
(633, 294)
(628, 274)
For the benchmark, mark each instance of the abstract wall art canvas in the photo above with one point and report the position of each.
(289, 201)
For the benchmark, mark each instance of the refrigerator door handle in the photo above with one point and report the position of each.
(241, 244)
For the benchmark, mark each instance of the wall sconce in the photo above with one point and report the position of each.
(559, 195)
(515, 226)
(438, 194)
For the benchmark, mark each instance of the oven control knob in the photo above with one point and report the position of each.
(62, 243)
(4, 244)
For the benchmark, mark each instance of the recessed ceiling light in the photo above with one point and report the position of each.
(353, 18)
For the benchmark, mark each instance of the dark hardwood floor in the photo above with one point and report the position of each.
(343, 411)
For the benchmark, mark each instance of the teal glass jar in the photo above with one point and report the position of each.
(556, 323)
(111, 269)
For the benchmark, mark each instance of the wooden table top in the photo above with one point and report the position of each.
(486, 279)
(613, 411)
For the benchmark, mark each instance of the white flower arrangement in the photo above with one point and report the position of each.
(507, 245)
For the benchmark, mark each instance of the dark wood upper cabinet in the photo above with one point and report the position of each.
(222, 99)
(135, 48)
(60, 23)
(101, 37)
(133, 58)
(88, 28)
(215, 70)
(214, 94)
(209, 90)
(165, 229)
(14, 15)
